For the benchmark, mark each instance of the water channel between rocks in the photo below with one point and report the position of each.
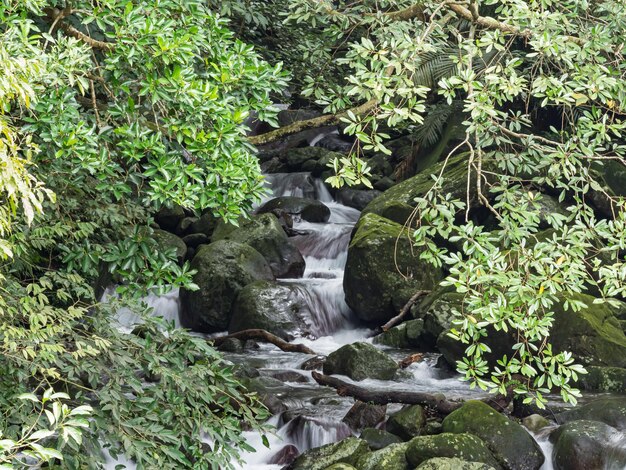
(313, 415)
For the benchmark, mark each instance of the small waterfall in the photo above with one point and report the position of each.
(166, 306)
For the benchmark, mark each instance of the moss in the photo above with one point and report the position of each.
(463, 446)
(391, 457)
(347, 451)
(408, 422)
(443, 463)
(166, 240)
(360, 361)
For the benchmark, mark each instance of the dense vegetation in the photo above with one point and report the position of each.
(110, 110)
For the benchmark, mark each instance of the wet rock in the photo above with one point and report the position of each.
(391, 457)
(356, 198)
(360, 361)
(585, 445)
(307, 209)
(603, 379)
(407, 335)
(463, 446)
(383, 270)
(364, 415)
(610, 410)
(346, 451)
(265, 234)
(438, 311)
(408, 422)
(341, 466)
(535, 423)
(233, 345)
(245, 371)
(315, 363)
(269, 306)
(168, 218)
(205, 224)
(509, 442)
(267, 389)
(166, 240)
(285, 456)
(378, 439)
(223, 269)
(287, 376)
(194, 240)
(443, 463)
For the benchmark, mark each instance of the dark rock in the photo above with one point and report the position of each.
(586, 445)
(383, 270)
(307, 209)
(166, 240)
(267, 390)
(444, 463)
(383, 184)
(364, 415)
(231, 345)
(356, 198)
(377, 438)
(315, 363)
(408, 422)
(205, 224)
(265, 234)
(269, 306)
(183, 226)
(360, 361)
(196, 239)
(287, 376)
(346, 451)
(610, 410)
(390, 458)
(223, 269)
(509, 442)
(463, 446)
(285, 456)
(168, 218)
(407, 335)
(603, 379)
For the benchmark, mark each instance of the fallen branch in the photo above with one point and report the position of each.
(407, 307)
(436, 401)
(411, 359)
(267, 337)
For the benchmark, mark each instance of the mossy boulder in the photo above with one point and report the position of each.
(341, 466)
(445, 463)
(463, 446)
(398, 202)
(223, 269)
(347, 451)
(360, 361)
(609, 410)
(408, 422)
(310, 210)
(391, 457)
(378, 439)
(603, 379)
(437, 311)
(509, 442)
(585, 445)
(383, 270)
(269, 306)
(265, 234)
(404, 336)
(166, 240)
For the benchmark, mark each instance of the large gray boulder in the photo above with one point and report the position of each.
(585, 445)
(223, 269)
(508, 441)
(360, 361)
(265, 234)
(383, 270)
(269, 306)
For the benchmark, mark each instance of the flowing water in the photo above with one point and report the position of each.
(314, 413)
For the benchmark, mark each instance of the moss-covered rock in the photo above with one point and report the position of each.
(310, 210)
(364, 415)
(347, 451)
(360, 361)
(509, 442)
(609, 410)
(265, 234)
(444, 463)
(437, 311)
(535, 423)
(407, 335)
(398, 202)
(390, 458)
(269, 306)
(166, 240)
(341, 466)
(463, 446)
(382, 270)
(603, 379)
(585, 445)
(378, 439)
(223, 269)
(356, 198)
(408, 422)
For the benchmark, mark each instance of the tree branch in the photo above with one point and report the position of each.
(263, 335)
(414, 11)
(398, 318)
(56, 16)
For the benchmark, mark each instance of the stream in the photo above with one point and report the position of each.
(313, 414)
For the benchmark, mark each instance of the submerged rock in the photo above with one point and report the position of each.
(346, 451)
(269, 306)
(383, 271)
(463, 446)
(585, 445)
(360, 361)
(443, 463)
(408, 422)
(509, 442)
(310, 210)
(391, 457)
(223, 269)
(265, 234)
